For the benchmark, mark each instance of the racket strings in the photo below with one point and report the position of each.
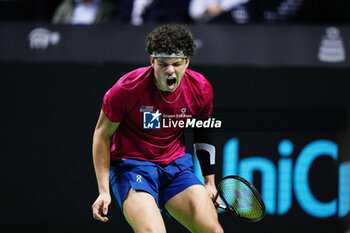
(241, 198)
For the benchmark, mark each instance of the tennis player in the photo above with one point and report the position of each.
(146, 165)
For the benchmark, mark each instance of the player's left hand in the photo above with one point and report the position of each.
(211, 190)
(209, 183)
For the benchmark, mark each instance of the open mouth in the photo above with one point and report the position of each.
(171, 82)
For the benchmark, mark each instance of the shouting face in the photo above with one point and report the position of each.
(168, 72)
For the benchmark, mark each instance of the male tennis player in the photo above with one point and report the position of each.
(147, 165)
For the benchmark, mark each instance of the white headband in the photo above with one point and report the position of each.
(176, 55)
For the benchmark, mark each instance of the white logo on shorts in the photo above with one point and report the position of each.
(138, 178)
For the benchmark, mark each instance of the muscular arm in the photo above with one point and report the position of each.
(101, 158)
(205, 150)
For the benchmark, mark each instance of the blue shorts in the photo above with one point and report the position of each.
(161, 181)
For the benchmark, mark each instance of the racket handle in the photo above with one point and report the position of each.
(219, 206)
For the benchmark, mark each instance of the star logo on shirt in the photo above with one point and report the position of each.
(151, 120)
(155, 115)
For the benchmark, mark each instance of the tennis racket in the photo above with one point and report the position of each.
(240, 198)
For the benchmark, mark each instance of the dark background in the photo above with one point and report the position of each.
(50, 111)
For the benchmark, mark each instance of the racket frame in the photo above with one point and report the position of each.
(230, 208)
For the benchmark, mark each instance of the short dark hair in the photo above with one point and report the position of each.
(170, 39)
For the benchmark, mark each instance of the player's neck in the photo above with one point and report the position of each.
(171, 97)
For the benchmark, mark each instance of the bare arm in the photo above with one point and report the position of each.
(209, 182)
(101, 158)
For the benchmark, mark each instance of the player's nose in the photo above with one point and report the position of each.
(170, 70)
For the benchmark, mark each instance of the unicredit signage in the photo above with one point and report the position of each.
(279, 182)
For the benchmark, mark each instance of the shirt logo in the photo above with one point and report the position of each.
(138, 178)
(146, 108)
(151, 120)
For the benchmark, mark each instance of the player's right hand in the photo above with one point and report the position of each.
(100, 207)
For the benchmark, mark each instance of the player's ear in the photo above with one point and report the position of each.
(187, 61)
(151, 60)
